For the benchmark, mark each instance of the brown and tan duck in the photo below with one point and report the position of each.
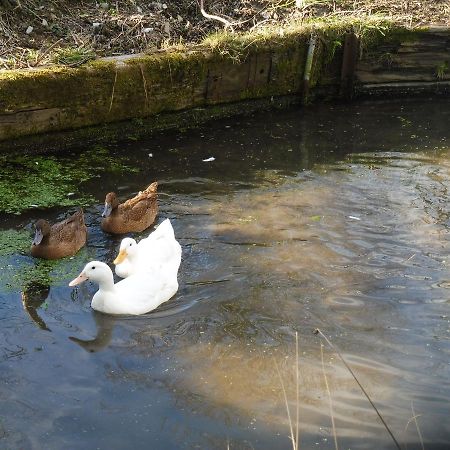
(135, 215)
(60, 239)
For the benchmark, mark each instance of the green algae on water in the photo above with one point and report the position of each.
(18, 270)
(47, 181)
(14, 241)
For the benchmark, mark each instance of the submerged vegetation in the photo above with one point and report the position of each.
(18, 270)
(28, 182)
(41, 182)
(14, 241)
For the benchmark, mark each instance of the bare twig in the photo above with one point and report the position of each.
(226, 22)
(317, 331)
(40, 57)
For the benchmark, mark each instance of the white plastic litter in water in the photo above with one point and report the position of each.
(209, 159)
(354, 217)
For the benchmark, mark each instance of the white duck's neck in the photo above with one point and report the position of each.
(133, 257)
(106, 283)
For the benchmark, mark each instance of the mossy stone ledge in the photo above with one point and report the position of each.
(226, 69)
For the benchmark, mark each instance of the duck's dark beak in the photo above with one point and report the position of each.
(107, 211)
(38, 236)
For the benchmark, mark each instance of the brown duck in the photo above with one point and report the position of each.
(60, 239)
(135, 215)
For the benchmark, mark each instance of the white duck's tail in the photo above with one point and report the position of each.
(164, 230)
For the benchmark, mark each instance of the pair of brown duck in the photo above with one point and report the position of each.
(67, 237)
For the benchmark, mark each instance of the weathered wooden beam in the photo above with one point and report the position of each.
(420, 57)
(404, 89)
(349, 63)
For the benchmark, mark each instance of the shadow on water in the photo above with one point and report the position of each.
(333, 217)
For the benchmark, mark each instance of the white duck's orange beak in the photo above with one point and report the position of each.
(120, 257)
(79, 279)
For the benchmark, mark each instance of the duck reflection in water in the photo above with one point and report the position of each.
(105, 325)
(34, 296)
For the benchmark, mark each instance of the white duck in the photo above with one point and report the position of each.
(159, 252)
(137, 294)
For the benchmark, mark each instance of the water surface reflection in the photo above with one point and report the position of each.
(333, 217)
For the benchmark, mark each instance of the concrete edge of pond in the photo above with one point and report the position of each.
(227, 76)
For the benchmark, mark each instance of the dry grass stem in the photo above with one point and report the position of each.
(329, 398)
(112, 93)
(294, 444)
(414, 417)
(297, 418)
(317, 331)
(144, 82)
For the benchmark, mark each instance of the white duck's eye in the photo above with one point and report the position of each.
(131, 244)
(93, 267)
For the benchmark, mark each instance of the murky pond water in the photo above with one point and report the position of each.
(333, 217)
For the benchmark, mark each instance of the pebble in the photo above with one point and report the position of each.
(29, 30)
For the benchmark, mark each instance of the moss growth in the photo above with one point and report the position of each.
(73, 57)
(168, 81)
(46, 181)
(19, 271)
